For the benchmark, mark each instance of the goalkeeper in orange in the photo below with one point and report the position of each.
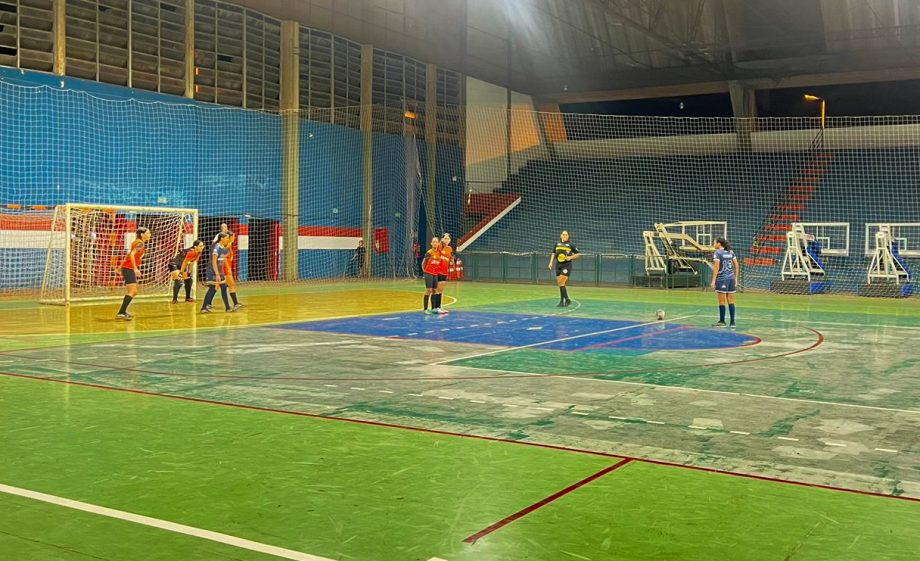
(131, 270)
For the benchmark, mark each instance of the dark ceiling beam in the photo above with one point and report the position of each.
(675, 86)
(681, 52)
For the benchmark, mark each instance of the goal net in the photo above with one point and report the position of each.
(87, 245)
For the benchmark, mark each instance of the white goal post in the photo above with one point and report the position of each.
(88, 242)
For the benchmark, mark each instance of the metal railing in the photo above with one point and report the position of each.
(592, 269)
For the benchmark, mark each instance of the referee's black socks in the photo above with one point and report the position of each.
(235, 301)
(563, 293)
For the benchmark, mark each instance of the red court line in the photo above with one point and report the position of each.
(528, 509)
(461, 435)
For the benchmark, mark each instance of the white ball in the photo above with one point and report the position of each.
(659, 314)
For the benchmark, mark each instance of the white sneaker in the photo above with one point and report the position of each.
(442, 311)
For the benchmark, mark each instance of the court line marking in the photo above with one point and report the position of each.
(539, 504)
(846, 324)
(470, 436)
(174, 527)
(561, 339)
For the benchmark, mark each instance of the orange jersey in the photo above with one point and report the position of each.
(433, 262)
(193, 256)
(139, 249)
(447, 253)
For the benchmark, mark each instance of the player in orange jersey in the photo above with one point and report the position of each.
(131, 270)
(431, 266)
(228, 273)
(447, 258)
(180, 270)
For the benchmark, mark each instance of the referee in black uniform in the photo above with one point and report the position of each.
(563, 254)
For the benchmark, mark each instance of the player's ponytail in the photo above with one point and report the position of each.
(724, 243)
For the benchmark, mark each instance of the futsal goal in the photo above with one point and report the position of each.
(88, 242)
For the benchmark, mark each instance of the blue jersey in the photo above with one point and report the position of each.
(726, 261)
(221, 253)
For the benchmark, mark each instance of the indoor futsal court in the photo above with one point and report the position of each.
(459, 280)
(500, 431)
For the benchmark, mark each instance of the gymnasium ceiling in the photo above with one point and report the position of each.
(583, 50)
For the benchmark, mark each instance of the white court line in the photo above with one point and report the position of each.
(787, 438)
(889, 450)
(163, 525)
(741, 432)
(560, 340)
(845, 324)
(689, 389)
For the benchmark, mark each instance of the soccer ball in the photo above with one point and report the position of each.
(660, 315)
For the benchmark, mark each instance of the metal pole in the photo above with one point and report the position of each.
(290, 148)
(367, 128)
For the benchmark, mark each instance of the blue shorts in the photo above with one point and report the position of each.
(211, 278)
(725, 286)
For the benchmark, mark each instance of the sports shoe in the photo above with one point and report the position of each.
(126, 317)
(207, 310)
(441, 311)
(189, 299)
(568, 302)
(174, 302)
(561, 304)
(239, 306)
(719, 324)
(732, 325)
(236, 307)
(426, 312)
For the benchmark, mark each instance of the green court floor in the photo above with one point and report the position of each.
(345, 446)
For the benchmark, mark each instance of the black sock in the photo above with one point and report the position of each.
(188, 288)
(176, 284)
(235, 301)
(124, 304)
(564, 292)
(209, 297)
(223, 296)
(427, 297)
(721, 313)
(731, 312)
(438, 299)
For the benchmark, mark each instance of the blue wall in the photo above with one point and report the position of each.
(73, 140)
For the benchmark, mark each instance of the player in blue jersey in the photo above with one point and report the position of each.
(725, 280)
(214, 278)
